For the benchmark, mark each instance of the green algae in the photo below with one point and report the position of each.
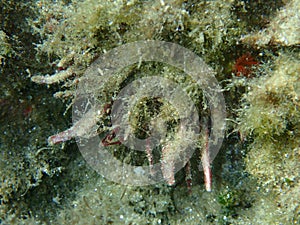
(53, 185)
(271, 114)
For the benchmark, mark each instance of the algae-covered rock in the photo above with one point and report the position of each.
(271, 115)
(45, 48)
(5, 48)
(75, 34)
(283, 29)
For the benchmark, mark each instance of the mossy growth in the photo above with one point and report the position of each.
(271, 115)
(6, 50)
(42, 184)
(28, 168)
(75, 34)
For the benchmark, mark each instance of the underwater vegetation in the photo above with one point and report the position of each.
(253, 46)
(270, 115)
